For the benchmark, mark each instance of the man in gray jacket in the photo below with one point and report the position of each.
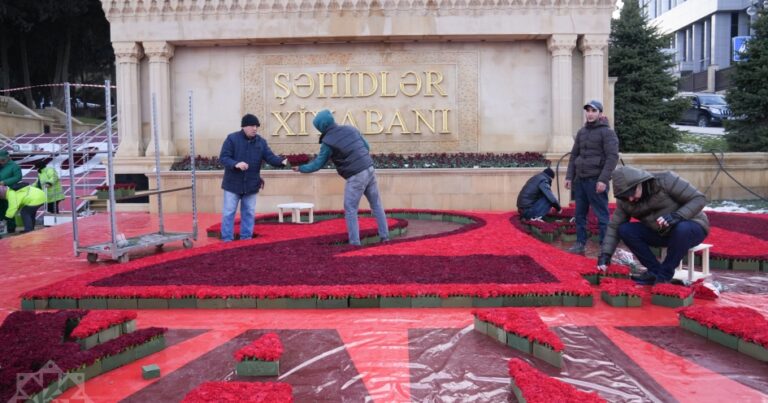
(669, 214)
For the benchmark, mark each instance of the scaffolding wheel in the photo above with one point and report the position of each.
(187, 243)
(93, 257)
(123, 258)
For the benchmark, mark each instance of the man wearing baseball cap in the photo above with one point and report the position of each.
(593, 158)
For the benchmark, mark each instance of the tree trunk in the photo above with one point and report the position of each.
(25, 73)
(5, 68)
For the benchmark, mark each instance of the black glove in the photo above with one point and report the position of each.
(604, 259)
(672, 219)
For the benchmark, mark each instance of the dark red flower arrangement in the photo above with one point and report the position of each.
(536, 387)
(616, 287)
(231, 392)
(96, 321)
(742, 322)
(29, 340)
(524, 322)
(266, 348)
(671, 290)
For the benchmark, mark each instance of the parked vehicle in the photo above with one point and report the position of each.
(706, 109)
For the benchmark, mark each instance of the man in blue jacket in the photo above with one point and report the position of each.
(346, 147)
(242, 154)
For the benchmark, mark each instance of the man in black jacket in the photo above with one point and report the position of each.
(536, 198)
(593, 158)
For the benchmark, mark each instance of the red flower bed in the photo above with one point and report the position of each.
(301, 261)
(742, 322)
(96, 321)
(616, 287)
(539, 388)
(671, 290)
(524, 322)
(265, 348)
(224, 392)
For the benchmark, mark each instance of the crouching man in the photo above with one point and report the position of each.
(26, 200)
(669, 214)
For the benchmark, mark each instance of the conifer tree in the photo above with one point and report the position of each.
(645, 90)
(748, 94)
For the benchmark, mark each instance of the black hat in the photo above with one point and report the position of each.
(549, 172)
(626, 194)
(249, 120)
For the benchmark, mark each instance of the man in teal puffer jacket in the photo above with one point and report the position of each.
(10, 174)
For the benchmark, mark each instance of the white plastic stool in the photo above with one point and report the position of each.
(692, 274)
(296, 212)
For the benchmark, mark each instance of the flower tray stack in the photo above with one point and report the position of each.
(672, 296)
(595, 276)
(620, 293)
(532, 386)
(231, 392)
(739, 328)
(101, 326)
(260, 358)
(546, 231)
(521, 329)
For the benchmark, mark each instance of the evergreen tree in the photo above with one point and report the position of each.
(748, 94)
(645, 90)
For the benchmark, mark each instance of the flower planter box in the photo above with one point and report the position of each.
(152, 303)
(621, 301)
(487, 302)
(395, 302)
(426, 302)
(150, 371)
(746, 265)
(371, 302)
(92, 303)
(149, 348)
(102, 194)
(725, 339)
(568, 237)
(586, 301)
(481, 326)
(92, 371)
(693, 326)
(41, 303)
(241, 303)
(550, 356)
(497, 333)
(457, 302)
(671, 302)
(517, 392)
(546, 236)
(333, 303)
(570, 300)
(513, 300)
(519, 343)
(753, 350)
(122, 303)
(128, 326)
(719, 263)
(300, 303)
(109, 333)
(182, 303)
(258, 368)
(211, 303)
(27, 305)
(89, 341)
(62, 303)
(593, 279)
(115, 361)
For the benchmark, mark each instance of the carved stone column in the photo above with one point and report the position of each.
(127, 56)
(160, 54)
(593, 47)
(561, 47)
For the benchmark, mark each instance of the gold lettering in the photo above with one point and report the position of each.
(347, 83)
(309, 84)
(303, 122)
(361, 84)
(416, 83)
(421, 118)
(384, 81)
(370, 122)
(401, 123)
(283, 86)
(349, 119)
(283, 123)
(445, 129)
(430, 83)
(334, 84)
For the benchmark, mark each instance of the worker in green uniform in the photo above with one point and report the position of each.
(26, 201)
(10, 174)
(48, 181)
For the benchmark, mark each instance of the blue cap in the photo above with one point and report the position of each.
(595, 104)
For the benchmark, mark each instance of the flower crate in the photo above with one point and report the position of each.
(753, 350)
(332, 303)
(620, 293)
(395, 302)
(739, 328)
(226, 392)
(548, 354)
(182, 303)
(671, 296)
(261, 357)
(745, 265)
(258, 368)
(426, 302)
(528, 383)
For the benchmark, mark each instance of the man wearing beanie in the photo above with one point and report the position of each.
(242, 154)
(536, 199)
(346, 147)
(593, 158)
(10, 174)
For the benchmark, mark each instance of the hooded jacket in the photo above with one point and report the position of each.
(537, 186)
(349, 151)
(663, 193)
(48, 181)
(10, 173)
(26, 196)
(595, 152)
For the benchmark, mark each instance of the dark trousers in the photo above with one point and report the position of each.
(539, 209)
(586, 197)
(639, 239)
(53, 207)
(10, 223)
(28, 214)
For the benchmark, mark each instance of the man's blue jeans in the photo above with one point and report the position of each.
(639, 238)
(586, 196)
(247, 215)
(539, 209)
(363, 183)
